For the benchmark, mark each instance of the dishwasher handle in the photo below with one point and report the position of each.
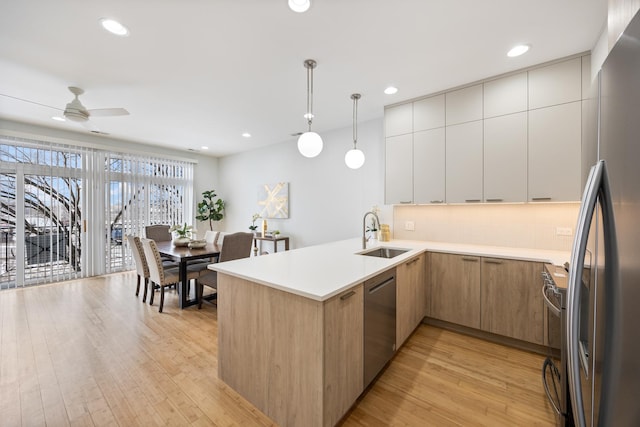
(379, 286)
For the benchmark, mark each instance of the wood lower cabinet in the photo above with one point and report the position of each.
(500, 296)
(410, 297)
(455, 289)
(343, 353)
(512, 303)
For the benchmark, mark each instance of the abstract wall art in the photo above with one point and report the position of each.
(273, 200)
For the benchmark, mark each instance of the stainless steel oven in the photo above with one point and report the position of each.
(554, 368)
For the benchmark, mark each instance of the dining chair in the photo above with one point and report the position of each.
(236, 246)
(160, 276)
(142, 269)
(158, 233)
(211, 236)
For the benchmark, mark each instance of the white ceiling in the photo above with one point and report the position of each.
(198, 73)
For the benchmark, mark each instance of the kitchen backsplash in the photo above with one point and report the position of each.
(531, 225)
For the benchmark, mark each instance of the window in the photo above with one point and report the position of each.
(64, 210)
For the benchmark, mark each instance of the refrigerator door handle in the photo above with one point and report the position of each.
(589, 200)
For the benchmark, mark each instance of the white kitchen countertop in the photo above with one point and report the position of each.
(323, 271)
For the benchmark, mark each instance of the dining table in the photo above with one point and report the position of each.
(183, 255)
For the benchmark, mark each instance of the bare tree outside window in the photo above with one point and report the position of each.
(42, 194)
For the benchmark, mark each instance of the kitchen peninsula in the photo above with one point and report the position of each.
(291, 324)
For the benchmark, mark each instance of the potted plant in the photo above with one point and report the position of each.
(182, 234)
(253, 227)
(210, 210)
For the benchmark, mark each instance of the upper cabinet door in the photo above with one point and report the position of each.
(505, 158)
(588, 83)
(555, 84)
(555, 153)
(464, 163)
(464, 105)
(399, 170)
(428, 113)
(398, 120)
(429, 166)
(505, 95)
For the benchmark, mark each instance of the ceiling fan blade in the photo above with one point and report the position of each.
(30, 102)
(105, 112)
(90, 126)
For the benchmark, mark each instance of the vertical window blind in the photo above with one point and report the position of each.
(65, 209)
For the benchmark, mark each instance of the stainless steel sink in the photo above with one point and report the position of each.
(385, 252)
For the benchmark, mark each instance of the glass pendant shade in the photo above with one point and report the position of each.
(309, 144)
(354, 158)
(299, 5)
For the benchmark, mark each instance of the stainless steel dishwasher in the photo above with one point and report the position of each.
(379, 323)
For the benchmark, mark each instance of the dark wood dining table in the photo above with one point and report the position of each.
(182, 255)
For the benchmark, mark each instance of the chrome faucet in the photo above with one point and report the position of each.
(364, 227)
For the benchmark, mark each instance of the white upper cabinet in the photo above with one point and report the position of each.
(398, 120)
(505, 158)
(428, 113)
(555, 84)
(505, 95)
(514, 138)
(429, 166)
(464, 163)
(464, 105)
(587, 81)
(399, 170)
(554, 153)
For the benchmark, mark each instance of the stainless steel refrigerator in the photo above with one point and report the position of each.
(603, 308)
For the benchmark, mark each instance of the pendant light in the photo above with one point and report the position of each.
(354, 157)
(299, 6)
(309, 143)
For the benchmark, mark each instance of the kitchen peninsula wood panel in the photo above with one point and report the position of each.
(296, 359)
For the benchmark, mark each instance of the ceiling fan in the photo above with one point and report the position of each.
(77, 112)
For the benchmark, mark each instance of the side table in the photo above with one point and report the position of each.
(275, 240)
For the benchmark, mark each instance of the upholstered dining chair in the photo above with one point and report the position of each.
(211, 236)
(142, 269)
(236, 246)
(158, 275)
(158, 233)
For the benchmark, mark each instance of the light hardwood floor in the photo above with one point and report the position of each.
(89, 352)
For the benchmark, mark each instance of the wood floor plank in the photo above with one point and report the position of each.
(90, 353)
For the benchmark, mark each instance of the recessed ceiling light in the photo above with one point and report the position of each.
(204, 148)
(246, 135)
(299, 5)
(518, 50)
(114, 27)
(58, 119)
(391, 90)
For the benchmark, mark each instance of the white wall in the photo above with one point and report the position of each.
(205, 177)
(326, 199)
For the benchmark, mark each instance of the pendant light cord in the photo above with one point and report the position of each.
(309, 95)
(355, 97)
(355, 121)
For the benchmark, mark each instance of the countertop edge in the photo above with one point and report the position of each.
(235, 268)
